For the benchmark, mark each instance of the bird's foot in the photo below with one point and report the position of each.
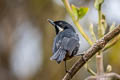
(67, 71)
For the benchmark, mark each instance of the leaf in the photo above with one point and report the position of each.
(98, 3)
(82, 11)
(74, 9)
(79, 12)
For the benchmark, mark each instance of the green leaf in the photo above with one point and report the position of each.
(81, 12)
(74, 9)
(98, 3)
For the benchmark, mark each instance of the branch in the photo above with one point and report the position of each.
(99, 45)
(113, 42)
(107, 76)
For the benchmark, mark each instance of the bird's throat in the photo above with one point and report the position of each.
(60, 29)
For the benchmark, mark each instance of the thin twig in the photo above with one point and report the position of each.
(113, 75)
(100, 44)
(90, 70)
(99, 64)
(92, 32)
(107, 76)
(100, 31)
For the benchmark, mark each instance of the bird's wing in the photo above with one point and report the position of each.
(59, 55)
(58, 50)
(70, 44)
(56, 43)
(63, 45)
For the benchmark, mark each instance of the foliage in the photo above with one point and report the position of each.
(79, 12)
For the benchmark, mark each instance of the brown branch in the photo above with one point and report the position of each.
(97, 46)
(113, 42)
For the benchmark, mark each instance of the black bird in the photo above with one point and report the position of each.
(66, 43)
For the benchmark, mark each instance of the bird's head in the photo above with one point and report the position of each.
(61, 25)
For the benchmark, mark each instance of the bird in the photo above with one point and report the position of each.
(66, 43)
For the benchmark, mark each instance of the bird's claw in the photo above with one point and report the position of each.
(67, 71)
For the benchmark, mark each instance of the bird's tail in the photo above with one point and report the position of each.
(59, 55)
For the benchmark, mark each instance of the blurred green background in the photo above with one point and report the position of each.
(26, 38)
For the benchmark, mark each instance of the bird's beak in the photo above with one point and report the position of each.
(51, 22)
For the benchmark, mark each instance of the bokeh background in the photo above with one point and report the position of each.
(26, 38)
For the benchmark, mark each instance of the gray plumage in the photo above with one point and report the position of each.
(66, 44)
